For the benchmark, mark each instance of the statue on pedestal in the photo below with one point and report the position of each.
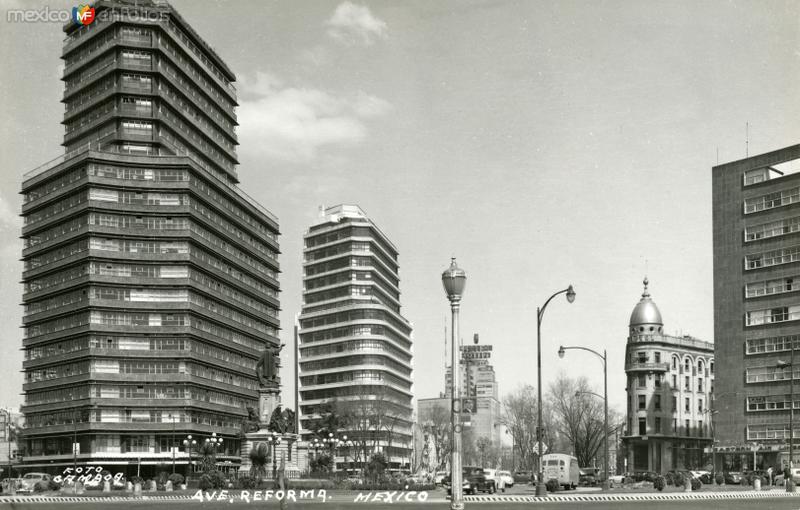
(267, 367)
(282, 421)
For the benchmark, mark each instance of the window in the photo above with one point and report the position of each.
(674, 404)
(688, 405)
(658, 380)
(688, 429)
(674, 363)
(657, 357)
(700, 384)
(641, 357)
(686, 366)
(657, 403)
(642, 426)
(687, 384)
(658, 425)
(675, 426)
(642, 402)
(699, 405)
(642, 382)
(675, 381)
(700, 431)
(711, 367)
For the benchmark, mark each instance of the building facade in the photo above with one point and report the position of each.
(150, 278)
(756, 217)
(670, 383)
(355, 346)
(479, 377)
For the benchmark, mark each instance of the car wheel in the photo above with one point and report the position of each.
(492, 489)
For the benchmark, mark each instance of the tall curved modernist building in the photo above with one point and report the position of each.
(355, 347)
(150, 278)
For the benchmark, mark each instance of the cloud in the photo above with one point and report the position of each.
(294, 123)
(355, 24)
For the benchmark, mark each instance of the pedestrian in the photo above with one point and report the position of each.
(769, 474)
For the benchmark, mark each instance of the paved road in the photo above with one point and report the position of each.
(771, 504)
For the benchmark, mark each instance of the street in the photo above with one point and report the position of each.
(745, 504)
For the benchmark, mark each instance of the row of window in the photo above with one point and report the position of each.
(354, 315)
(347, 331)
(37, 420)
(656, 401)
(356, 346)
(772, 315)
(772, 200)
(352, 262)
(357, 376)
(98, 111)
(641, 382)
(772, 344)
(769, 287)
(698, 430)
(355, 361)
(772, 229)
(772, 257)
(769, 373)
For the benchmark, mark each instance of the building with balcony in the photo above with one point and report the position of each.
(355, 346)
(150, 278)
(670, 383)
(479, 382)
(756, 218)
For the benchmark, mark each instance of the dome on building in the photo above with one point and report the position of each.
(646, 313)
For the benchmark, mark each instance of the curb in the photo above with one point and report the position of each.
(100, 499)
(596, 498)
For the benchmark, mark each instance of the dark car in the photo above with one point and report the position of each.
(587, 477)
(732, 477)
(523, 477)
(643, 476)
(473, 481)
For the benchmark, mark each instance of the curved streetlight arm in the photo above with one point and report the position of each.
(566, 348)
(589, 393)
(541, 309)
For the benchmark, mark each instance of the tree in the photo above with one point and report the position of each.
(579, 416)
(435, 422)
(484, 445)
(519, 417)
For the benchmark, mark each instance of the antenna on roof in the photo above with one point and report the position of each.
(746, 139)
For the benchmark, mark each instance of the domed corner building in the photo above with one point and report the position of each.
(670, 381)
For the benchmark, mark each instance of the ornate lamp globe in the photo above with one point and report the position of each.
(454, 279)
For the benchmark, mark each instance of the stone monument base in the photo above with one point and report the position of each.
(285, 453)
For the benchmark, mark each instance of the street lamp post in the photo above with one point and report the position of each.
(541, 490)
(274, 440)
(172, 444)
(790, 364)
(454, 279)
(215, 442)
(561, 352)
(189, 443)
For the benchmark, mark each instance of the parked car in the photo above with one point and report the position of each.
(30, 480)
(473, 481)
(523, 477)
(499, 482)
(615, 480)
(779, 478)
(707, 477)
(507, 478)
(588, 477)
(732, 477)
(439, 477)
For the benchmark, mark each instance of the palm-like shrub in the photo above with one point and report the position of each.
(208, 457)
(659, 482)
(259, 455)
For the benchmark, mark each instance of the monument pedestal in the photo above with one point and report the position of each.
(285, 452)
(268, 400)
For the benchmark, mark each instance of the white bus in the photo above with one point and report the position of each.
(563, 468)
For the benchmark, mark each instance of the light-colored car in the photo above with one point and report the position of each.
(779, 478)
(507, 478)
(615, 480)
(30, 480)
(439, 476)
(499, 481)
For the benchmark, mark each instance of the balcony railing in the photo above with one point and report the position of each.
(637, 366)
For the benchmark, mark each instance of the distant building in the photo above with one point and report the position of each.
(479, 381)
(670, 381)
(10, 423)
(150, 278)
(756, 220)
(355, 346)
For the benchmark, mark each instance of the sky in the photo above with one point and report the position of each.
(541, 143)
